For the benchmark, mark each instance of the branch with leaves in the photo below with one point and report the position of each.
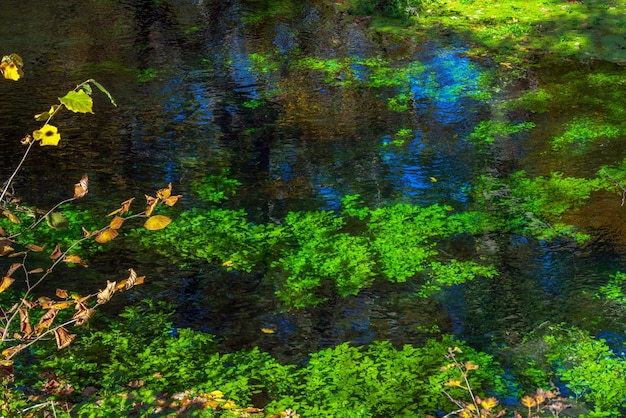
(17, 328)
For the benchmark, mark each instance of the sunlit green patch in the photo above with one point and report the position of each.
(583, 131)
(487, 131)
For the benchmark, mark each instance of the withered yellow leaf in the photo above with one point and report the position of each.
(48, 135)
(156, 222)
(117, 222)
(106, 235)
(74, 259)
(105, 295)
(267, 331)
(16, 254)
(5, 249)
(62, 293)
(5, 283)
(171, 201)
(62, 305)
(125, 207)
(11, 217)
(3, 233)
(164, 193)
(82, 187)
(11, 67)
(11, 351)
(63, 338)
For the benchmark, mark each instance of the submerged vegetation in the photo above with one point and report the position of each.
(143, 363)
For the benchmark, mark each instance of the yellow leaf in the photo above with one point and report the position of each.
(228, 263)
(216, 394)
(156, 222)
(41, 117)
(77, 101)
(48, 135)
(171, 201)
(5, 283)
(164, 193)
(151, 204)
(470, 366)
(229, 405)
(11, 217)
(267, 331)
(11, 67)
(116, 223)
(61, 293)
(434, 180)
(106, 235)
(528, 402)
(489, 403)
(62, 305)
(453, 383)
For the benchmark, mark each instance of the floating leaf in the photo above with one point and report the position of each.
(82, 187)
(156, 222)
(106, 235)
(77, 101)
(48, 135)
(57, 220)
(116, 223)
(105, 295)
(5, 283)
(267, 331)
(63, 338)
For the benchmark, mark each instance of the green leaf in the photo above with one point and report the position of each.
(57, 220)
(77, 101)
(103, 90)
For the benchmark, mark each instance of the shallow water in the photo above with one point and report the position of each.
(195, 98)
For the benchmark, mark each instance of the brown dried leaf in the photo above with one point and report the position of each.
(62, 293)
(124, 208)
(86, 233)
(28, 304)
(3, 233)
(13, 268)
(74, 259)
(12, 255)
(46, 320)
(105, 295)
(156, 222)
(5, 283)
(132, 280)
(82, 187)
(63, 338)
(117, 222)
(25, 326)
(83, 315)
(151, 203)
(35, 271)
(35, 248)
(56, 253)
(106, 235)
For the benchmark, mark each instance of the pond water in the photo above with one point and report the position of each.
(207, 88)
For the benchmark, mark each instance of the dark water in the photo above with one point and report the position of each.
(187, 77)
